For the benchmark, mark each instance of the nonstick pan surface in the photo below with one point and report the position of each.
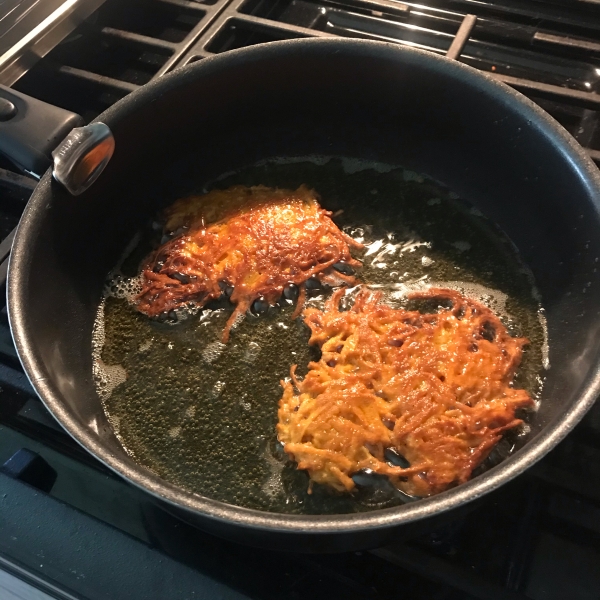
(370, 101)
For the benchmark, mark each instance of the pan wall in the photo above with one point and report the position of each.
(371, 102)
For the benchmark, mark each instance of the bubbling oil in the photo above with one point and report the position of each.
(202, 414)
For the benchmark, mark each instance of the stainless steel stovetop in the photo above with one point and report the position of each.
(71, 529)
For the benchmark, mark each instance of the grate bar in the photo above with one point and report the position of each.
(123, 86)
(555, 92)
(6, 245)
(566, 42)
(267, 24)
(535, 11)
(434, 568)
(593, 154)
(388, 6)
(139, 39)
(184, 4)
(562, 479)
(14, 378)
(461, 37)
(15, 182)
(3, 277)
(259, 24)
(523, 542)
(194, 35)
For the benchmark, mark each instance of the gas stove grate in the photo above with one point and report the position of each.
(549, 50)
(122, 46)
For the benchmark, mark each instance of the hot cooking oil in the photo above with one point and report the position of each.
(202, 414)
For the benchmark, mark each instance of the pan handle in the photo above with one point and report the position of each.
(36, 136)
(31, 129)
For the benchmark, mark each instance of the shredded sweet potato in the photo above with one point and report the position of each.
(249, 241)
(434, 387)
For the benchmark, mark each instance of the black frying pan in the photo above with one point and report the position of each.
(372, 101)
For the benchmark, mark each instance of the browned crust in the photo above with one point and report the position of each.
(436, 387)
(256, 240)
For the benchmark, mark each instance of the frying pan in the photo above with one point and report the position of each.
(367, 100)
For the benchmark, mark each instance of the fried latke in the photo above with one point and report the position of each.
(435, 388)
(250, 242)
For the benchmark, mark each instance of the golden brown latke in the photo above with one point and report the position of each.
(434, 387)
(252, 241)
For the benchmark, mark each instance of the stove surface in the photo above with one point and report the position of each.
(72, 529)
(29, 29)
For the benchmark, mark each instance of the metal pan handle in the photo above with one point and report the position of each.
(36, 136)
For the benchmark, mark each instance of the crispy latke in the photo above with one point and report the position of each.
(249, 241)
(435, 387)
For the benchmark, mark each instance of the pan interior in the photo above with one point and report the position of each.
(203, 416)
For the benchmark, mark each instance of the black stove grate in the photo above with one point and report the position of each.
(550, 51)
(120, 47)
(537, 537)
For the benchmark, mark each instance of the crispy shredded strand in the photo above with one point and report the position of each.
(252, 241)
(436, 387)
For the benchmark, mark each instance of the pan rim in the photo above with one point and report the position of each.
(534, 449)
